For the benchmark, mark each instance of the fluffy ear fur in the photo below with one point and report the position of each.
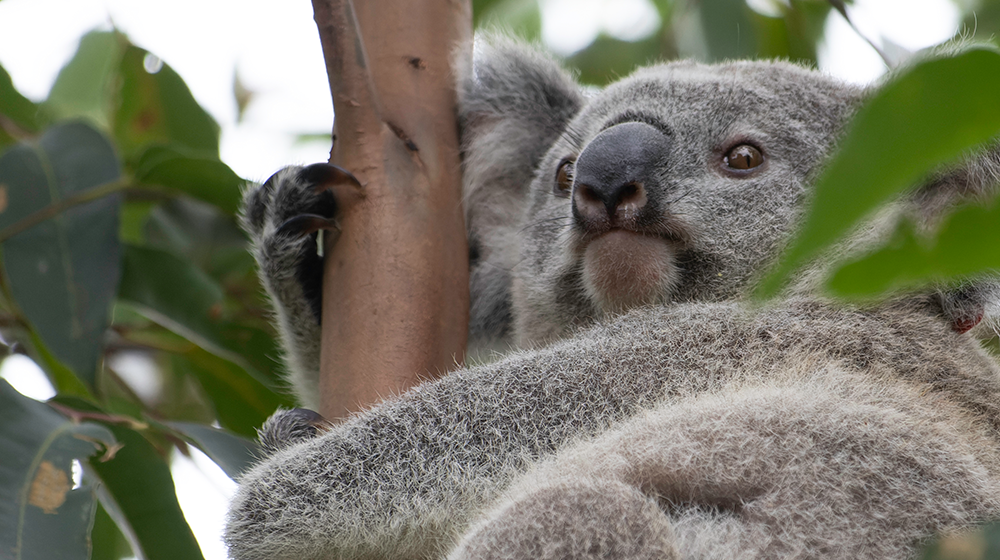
(513, 105)
(974, 180)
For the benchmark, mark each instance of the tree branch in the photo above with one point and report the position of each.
(395, 297)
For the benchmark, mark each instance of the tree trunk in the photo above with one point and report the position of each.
(395, 294)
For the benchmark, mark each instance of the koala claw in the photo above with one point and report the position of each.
(305, 224)
(325, 175)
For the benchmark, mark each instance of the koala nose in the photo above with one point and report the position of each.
(614, 173)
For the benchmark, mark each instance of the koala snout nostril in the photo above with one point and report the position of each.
(631, 198)
(615, 172)
(603, 205)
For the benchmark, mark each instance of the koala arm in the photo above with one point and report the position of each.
(281, 216)
(513, 105)
(820, 464)
(404, 479)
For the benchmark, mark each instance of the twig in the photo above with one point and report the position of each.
(55, 208)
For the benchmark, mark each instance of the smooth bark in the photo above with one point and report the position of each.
(395, 295)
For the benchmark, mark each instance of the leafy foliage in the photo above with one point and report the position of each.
(928, 116)
(118, 235)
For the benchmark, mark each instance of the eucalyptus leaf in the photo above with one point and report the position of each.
(202, 234)
(608, 59)
(241, 402)
(180, 297)
(19, 109)
(108, 541)
(522, 18)
(728, 29)
(156, 107)
(64, 271)
(929, 115)
(173, 293)
(204, 178)
(138, 493)
(983, 544)
(83, 87)
(38, 497)
(234, 454)
(965, 246)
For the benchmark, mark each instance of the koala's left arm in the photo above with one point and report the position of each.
(405, 478)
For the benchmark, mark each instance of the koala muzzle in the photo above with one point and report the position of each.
(614, 175)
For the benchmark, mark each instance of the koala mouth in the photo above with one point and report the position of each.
(623, 269)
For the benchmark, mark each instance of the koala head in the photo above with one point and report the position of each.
(679, 183)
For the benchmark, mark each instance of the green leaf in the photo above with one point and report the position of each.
(806, 23)
(521, 18)
(138, 493)
(234, 454)
(964, 247)
(108, 541)
(84, 86)
(64, 271)
(201, 234)
(19, 109)
(177, 295)
(204, 178)
(133, 221)
(728, 29)
(62, 378)
(608, 59)
(173, 293)
(259, 353)
(241, 402)
(156, 107)
(925, 117)
(37, 498)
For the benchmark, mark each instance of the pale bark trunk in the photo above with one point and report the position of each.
(395, 294)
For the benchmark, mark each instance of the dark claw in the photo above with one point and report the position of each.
(305, 224)
(323, 175)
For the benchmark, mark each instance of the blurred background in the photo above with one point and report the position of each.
(169, 360)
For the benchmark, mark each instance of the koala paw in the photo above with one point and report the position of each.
(288, 427)
(283, 216)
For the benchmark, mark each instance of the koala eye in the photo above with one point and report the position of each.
(564, 179)
(743, 158)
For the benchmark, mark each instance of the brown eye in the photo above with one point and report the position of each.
(743, 158)
(564, 179)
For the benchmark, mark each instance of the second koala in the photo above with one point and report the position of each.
(651, 414)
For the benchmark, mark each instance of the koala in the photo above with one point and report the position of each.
(646, 410)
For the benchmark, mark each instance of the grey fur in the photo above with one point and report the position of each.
(280, 257)
(691, 426)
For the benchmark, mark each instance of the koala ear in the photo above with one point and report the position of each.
(974, 303)
(513, 104)
(975, 179)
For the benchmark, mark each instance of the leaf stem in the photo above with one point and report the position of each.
(78, 416)
(55, 208)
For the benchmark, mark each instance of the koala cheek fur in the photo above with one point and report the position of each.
(650, 412)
